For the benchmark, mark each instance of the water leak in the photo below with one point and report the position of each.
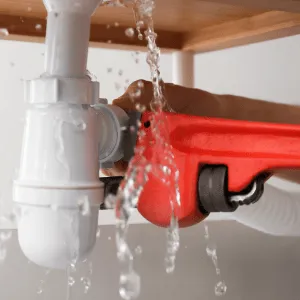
(211, 251)
(162, 165)
(173, 243)
(42, 282)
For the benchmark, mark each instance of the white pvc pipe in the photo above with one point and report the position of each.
(183, 68)
(67, 43)
(57, 188)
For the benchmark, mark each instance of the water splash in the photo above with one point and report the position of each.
(211, 251)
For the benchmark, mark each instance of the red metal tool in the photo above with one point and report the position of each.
(222, 164)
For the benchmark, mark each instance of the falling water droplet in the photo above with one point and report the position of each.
(220, 288)
(212, 253)
(117, 24)
(107, 26)
(140, 107)
(29, 8)
(206, 233)
(110, 200)
(169, 265)
(109, 70)
(120, 72)
(135, 94)
(86, 283)
(109, 41)
(71, 281)
(98, 232)
(73, 267)
(39, 291)
(4, 32)
(140, 84)
(109, 238)
(129, 32)
(139, 25)
(117, 86)
(138, 250)
(130, 285)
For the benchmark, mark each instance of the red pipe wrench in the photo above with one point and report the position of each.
(222, 164)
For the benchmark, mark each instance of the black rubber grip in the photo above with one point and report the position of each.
(111, 184)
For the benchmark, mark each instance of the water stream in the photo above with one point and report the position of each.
(162, 163)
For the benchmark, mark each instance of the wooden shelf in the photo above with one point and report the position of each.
(192, 25)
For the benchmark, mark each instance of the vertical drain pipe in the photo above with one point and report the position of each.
(58, 188)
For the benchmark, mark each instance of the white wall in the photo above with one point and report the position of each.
(267, 71)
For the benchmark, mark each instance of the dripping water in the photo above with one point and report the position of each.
(211, 251)
(42, 283)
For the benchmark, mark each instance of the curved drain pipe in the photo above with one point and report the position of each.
(276, 213)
